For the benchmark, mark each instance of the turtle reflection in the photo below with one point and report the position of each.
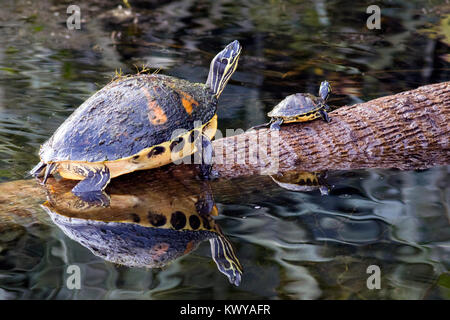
(145, 227)
(302, 181)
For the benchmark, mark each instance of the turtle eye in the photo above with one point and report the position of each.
(224, 61)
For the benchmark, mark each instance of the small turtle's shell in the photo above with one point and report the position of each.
(130, 115)
(298, 181)
(302, 181)
(296, 105)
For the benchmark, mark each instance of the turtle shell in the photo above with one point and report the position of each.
(130, 244)
(296, 105)
(302, 181)
(130, 115)
(146, 228)
(141, 229)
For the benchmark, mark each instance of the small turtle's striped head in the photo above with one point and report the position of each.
(223, 66)
(324, 90)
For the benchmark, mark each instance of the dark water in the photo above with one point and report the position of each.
(292, 245)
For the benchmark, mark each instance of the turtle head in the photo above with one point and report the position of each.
(225, 258)
(324, 90)
(223, 66)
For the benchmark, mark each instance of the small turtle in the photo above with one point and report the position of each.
(300, 107)
(303, 181)
(144, 227)
(137, 123)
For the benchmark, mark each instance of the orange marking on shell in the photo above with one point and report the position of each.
(187, 101)
(156, 114)
(189, 247)
(214, 211)
(159, 250)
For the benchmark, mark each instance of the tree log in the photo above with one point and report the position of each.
(409, 130)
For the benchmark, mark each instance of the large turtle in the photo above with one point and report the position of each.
(136, 123)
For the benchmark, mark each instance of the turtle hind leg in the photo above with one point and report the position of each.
(95, 181)
(225, 259)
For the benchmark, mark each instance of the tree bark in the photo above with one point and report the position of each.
(409, 130)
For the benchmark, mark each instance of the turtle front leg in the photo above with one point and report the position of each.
(276, 125)
(90, 189)
(324, 115)
(204, 146)
(38, 171)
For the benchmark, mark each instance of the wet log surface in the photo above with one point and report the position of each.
(409, 130)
